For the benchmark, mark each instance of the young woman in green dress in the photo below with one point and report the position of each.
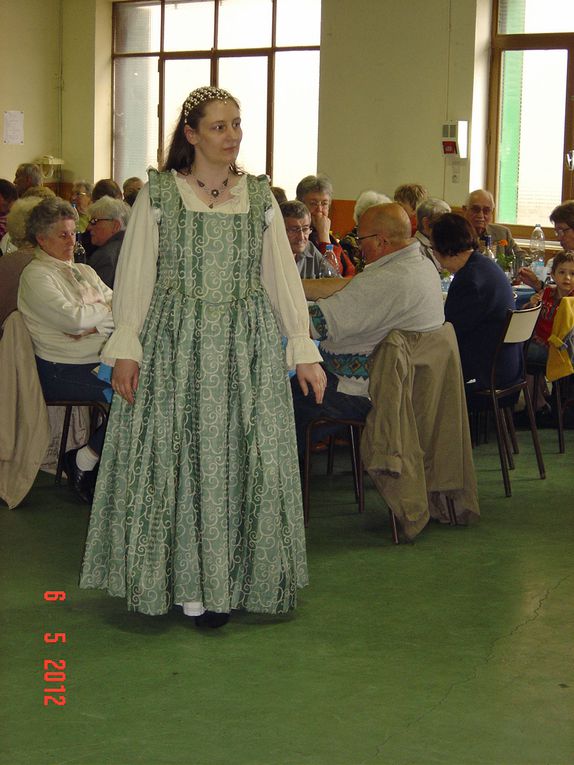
(198, 501)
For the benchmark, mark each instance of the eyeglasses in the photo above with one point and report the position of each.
(93, 221)
(298, 229)
(560, 231)
(317, 203)
(477, 209)
(367, 236)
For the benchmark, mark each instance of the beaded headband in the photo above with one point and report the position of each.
(199, 95)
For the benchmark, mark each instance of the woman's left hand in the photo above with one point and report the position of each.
(312, 375)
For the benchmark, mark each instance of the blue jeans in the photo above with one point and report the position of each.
(335, 404)
(73, 382)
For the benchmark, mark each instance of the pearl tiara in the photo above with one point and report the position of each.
(199, 95)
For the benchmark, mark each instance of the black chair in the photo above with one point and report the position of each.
(538, 371)
(518, 328)
(355, 430)
(98, 409)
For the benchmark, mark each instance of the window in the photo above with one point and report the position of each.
(532, 83)
(265, 52)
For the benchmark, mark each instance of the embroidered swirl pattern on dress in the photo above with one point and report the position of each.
(198, 496)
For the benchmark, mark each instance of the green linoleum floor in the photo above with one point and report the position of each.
(457, 649)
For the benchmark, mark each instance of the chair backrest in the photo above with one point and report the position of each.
(520, 325)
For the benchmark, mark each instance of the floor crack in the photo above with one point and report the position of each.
(472, 675)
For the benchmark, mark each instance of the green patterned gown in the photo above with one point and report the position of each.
(198, 495)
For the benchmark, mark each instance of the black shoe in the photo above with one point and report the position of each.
(80, 481)
(211, 619)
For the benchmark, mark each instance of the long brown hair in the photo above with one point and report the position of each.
(181, 153)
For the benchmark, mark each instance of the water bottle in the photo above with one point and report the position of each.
(537, 249)
(488, 248)
(331, 259)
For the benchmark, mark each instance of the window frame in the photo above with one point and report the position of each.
(500, 43)
(214, 54)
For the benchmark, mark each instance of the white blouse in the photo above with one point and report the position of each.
(60, 298)
(136, 275)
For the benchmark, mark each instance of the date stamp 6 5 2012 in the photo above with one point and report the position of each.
(54, 669)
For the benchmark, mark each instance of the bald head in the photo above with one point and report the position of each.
(390, 220)
(480, 195)
(384, 229)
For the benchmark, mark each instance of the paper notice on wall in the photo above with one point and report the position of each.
(13, 127)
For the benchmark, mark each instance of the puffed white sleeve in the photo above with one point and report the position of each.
(282, 282)
(134, 281)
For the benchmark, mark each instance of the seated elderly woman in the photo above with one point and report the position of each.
(8, 195)
(316, 193)
(80, 198)
(67, 310)
(409, 196)
(106, 187)
(428, 212)
(20, 255)
(131, 188)
(477, 303)
(108, 220)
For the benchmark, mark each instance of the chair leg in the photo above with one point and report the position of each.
(360, 473)
(330, 454)
(559, 416)
(63, 444)
(354, 461)
(357, 464)
(394, 527)
(507, 440)
(472, 422)
(534, 432)
(511, 429)
(502, 447)
(307, 473)
(451, 512)
(484, 422)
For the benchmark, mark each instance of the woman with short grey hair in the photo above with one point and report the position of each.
(80, 199)
(428, 212)
(108, 218)
(316, 192)
(68, 312)
(310, 183)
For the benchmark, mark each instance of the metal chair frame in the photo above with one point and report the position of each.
(518, 328)
(355, 431)
(96, 408)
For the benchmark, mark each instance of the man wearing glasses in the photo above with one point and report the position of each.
(310, 262)
(316, 193)
(108, 219)
(479, 211)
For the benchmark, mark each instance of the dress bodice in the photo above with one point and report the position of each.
(215, 256)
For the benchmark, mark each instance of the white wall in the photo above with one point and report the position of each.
(86, 98)
(29, 79)
(391, 73)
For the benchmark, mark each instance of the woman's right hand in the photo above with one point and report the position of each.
(125, 377)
